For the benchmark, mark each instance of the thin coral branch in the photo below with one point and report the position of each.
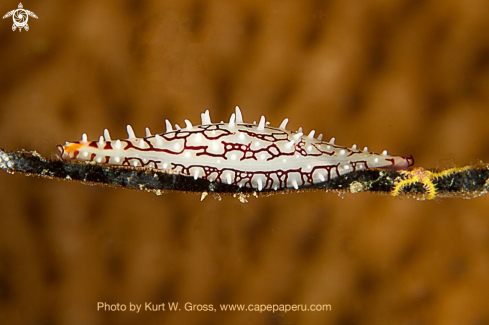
(466, 182)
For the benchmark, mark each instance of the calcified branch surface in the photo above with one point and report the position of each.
(465, 182)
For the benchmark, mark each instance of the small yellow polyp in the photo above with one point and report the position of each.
(425, 177)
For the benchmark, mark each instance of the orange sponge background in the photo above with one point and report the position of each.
(408, 76)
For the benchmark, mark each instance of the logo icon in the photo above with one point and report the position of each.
(20, 17)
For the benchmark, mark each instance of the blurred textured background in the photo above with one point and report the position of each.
(408, 76)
